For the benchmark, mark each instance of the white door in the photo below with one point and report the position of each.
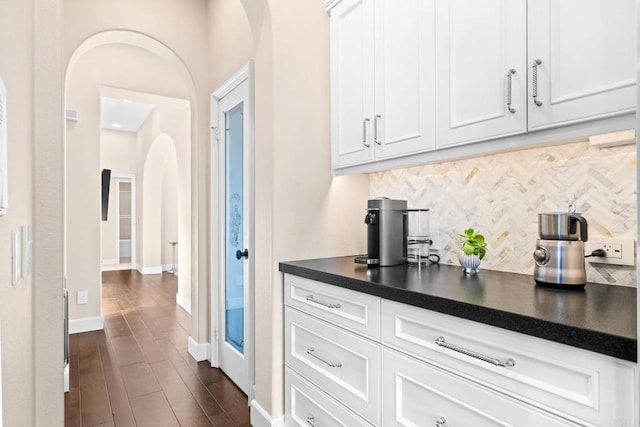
(232, 168)
(582, 62)
(351, 82)
(404, 120)
(481, 73)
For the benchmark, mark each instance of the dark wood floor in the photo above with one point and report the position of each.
(137, 372)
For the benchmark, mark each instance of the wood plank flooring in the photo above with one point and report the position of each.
(137, 371)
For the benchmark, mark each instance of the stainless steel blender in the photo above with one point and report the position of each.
(559, 252)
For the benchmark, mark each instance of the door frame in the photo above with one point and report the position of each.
(245, 73)
(117, 179)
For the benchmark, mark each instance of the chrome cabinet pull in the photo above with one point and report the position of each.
(534, 82)
(441, 422)
(310, 421)
(310, 298)
(365, 125)
(375, 129)
(511, 72)
(312, 352)
(508, 363)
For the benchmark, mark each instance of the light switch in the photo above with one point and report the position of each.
(15, 258)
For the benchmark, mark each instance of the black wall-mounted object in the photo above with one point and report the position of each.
(106, 181)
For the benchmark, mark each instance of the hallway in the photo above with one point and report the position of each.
(137, 371)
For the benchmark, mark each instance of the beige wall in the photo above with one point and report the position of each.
(16, 302)
(93, 74)
(176, 31)
(305, 213)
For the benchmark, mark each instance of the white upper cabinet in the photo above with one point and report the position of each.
(481, 70)
(351, 82)
(404, 77)
(382, 79)
(586, 55)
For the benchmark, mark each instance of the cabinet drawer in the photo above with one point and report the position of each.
(305, 405)
(581, 384)
(352, 310)
(417, 394)
(340, 363)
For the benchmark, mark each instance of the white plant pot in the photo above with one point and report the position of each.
(469, 263)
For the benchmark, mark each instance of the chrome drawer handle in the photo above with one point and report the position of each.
(441, 422)
(509, 74)
(310, 298)
(377, 118)
(312, 352)
(508, 363)
(365, 125)
(534, 81)
(310, 421)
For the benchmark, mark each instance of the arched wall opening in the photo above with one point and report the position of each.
(175, 128)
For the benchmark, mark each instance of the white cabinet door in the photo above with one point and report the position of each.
(587, 61)
(478, 43)
(418, 394)
(404, 77)
(352, 66)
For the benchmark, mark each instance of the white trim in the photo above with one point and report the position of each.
(65, 382)
(150, 270)
(86, 324)
(199, 351)
(246, 73)
(184, 303)
(166, 267)
(109, 262)
(259, 417)
(119, 178)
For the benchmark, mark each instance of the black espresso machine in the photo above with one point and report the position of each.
(386, 221)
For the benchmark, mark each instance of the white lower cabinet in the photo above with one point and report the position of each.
(306, 405)
(419, 394)
(375, 362)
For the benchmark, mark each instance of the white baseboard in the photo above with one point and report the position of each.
(65, 376)
(199, 351)
(166, 267)
(109, 262)
(150, 270)
(86, 324)
(182, 302)
(261, 418)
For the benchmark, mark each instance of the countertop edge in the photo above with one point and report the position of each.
(599, 342)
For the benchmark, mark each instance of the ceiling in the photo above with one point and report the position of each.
(124, 114)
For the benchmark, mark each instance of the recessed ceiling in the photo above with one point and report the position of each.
(124, 114)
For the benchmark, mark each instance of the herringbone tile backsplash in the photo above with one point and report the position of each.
(502, 194)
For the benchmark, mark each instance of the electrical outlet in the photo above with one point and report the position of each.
(619, 251)
(82, 297)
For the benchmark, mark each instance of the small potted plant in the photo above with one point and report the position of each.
(473, 249)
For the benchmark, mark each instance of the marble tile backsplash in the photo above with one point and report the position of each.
(502, 194)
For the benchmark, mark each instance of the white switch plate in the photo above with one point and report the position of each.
(82, 297)
(619, 251)
(15, 258)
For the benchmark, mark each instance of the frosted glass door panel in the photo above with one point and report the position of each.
(234, 196)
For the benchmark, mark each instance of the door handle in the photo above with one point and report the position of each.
(242, 254)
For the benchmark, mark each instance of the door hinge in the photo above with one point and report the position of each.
(216, 334)
(216, 132)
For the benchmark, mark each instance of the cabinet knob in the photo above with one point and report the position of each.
(242, 254)
(441, 422)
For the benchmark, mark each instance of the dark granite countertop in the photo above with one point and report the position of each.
(600, 318)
